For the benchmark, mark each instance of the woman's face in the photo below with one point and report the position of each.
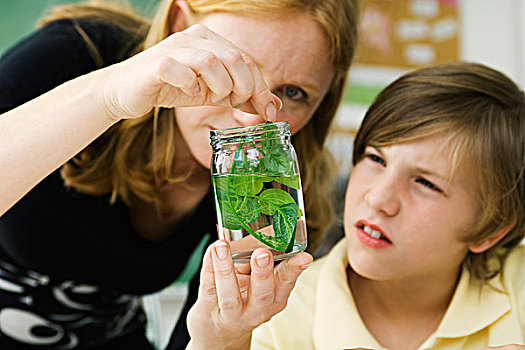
(292, 53)
(404, 193)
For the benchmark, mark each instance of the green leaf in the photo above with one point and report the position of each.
(229, 219)
(238, 210)
(276, 161)
(270, 127)
(285, 221)
(246, 185)
(290, 181)
(221, 188)
(220, 183)
(291, 244)
(272, 242)
(240, 164)
(273, 198)
(267, 178)
(248, 209)
(270, 138)
(235, 209)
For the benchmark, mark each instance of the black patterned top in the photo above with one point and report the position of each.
(72, 267)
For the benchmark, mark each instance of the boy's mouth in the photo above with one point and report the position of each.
(372, 231)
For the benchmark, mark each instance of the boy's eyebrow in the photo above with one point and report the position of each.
(377, 149)
(425, 171)
(446, 179)
(419, 168)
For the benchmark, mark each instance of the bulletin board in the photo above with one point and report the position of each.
(408, 33)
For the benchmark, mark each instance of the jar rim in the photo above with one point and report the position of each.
(232, 134)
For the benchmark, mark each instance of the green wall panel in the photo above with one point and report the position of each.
(18, 17)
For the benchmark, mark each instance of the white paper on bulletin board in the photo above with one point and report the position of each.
(408, 33)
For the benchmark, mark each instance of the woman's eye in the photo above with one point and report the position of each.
(292, 92)
(376, 159)
(428, 184)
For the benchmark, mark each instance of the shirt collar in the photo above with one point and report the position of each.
(474, 306)
(337, 322)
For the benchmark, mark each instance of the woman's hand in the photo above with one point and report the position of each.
(189, 68)
(232, 301)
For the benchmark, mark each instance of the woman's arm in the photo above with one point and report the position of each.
(234, 300)
(41, 135)
(190, 68)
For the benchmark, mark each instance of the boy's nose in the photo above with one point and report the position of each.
(383, 197)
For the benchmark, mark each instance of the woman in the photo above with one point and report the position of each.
(434, 214)
(81, 240)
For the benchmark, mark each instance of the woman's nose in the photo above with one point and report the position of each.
(383, 196)
(246, 119)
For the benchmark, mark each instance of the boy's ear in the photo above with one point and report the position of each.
(489, 242)
(179, 16)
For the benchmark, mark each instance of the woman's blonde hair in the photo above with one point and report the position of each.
(483, 113)
(129, 158)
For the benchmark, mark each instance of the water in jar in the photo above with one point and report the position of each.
(260, 211)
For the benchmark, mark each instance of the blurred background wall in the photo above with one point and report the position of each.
(400, 35)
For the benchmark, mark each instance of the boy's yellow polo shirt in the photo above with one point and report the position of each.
(321, 313)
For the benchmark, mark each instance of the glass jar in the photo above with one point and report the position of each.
(257, 189)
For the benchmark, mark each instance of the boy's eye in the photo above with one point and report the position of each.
(429, 185)
(375, 158)
(292, 92)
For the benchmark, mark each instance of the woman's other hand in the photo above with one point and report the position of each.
(235, 299)
(189, 68)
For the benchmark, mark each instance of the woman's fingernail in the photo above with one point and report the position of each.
(221, 249)
(197, 89)
(280, 103)
(271, 112)
(305, 266)
(263, 260)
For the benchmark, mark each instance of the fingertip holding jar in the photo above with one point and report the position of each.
(271, 112)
